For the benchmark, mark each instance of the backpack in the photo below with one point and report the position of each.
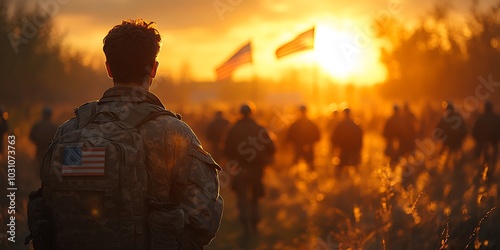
(94, 181)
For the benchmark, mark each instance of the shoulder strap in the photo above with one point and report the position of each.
(145, 112)
(84, 112)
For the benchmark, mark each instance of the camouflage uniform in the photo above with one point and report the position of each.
(180, 174)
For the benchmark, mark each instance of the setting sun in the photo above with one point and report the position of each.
(338, 54)
(335, 54)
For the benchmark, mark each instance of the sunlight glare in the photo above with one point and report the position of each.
(347, 55)
(336, 53)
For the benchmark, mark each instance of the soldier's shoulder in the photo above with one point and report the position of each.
(67, 126)
(168, 124)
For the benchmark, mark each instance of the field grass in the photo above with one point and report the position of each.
(444, 202)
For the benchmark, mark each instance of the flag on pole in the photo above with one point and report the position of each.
(242, 56)
(304, 41)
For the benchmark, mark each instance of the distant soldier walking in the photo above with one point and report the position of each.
(214, 133)
(452, 125)
(348, 136)
(42, 133)
(303, 134)
(249, 146)
(486, 133)
(392, 134)
(408, 132)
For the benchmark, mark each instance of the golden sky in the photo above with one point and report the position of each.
(199, 35)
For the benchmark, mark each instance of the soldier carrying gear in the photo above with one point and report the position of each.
(125, 173)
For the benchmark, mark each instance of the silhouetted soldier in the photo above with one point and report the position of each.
(303, 134)
(214, 133)
(348, 136)
(392, 135)
(428, 121)
(42, 133)
(486, 133)
(408, 131)
(452, 126)
(249, 146)
(331, 124)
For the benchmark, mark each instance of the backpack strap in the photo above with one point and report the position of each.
(145, 112)
(84, 112)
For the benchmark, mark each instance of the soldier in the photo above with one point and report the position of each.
(248, 146)
(408, 131)
(452, 125)
(486, 134)
(215, 131)
(348, 136)
(42, 133)
(303, 134)
(392, 135)
(181, 209)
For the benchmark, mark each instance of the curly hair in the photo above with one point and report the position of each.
(131, 49)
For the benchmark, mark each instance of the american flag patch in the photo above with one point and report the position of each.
(83, 161)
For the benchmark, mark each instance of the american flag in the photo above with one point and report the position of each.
(302, 42)
(83, 161)
(244, 55)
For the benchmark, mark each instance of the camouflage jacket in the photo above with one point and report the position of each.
(180, 171)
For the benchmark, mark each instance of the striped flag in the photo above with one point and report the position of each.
(244, 55)
(83, 161)
(304, 41)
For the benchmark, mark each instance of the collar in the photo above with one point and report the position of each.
(130, 94)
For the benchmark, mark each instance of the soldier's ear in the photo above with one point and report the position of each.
(110, 75)
(153, 70)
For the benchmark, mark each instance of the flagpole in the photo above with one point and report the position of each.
(315, 73)
(315, 83)
(255, 84)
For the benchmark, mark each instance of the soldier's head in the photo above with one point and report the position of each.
(347, 113)
(219, 114)
(131, 49)
(302, 110)
(395, 108)
(406, 107)
(245, 110)
(47, 113)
